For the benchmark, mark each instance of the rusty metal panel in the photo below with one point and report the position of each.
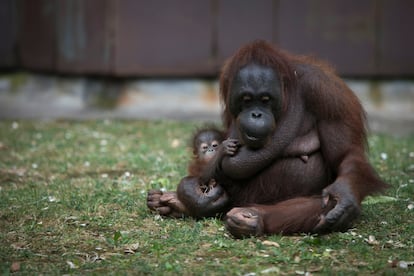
(37, 34)
(8, 33)
(396, 40)
(163, 37)
(83, 36)
(241, 21)
(341, 32)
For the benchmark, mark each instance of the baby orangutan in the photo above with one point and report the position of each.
(207, 143)
(197, 189)
(209, 147)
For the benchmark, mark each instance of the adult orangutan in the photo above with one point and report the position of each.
(272, 99)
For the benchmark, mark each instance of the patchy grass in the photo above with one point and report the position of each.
(72, 201)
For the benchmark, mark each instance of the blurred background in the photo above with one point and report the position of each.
(160, 59)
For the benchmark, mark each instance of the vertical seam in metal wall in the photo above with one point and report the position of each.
(214, 47)
(55, 50)
(110, 35)
(17, 8)
(275, 21)
(377, 41)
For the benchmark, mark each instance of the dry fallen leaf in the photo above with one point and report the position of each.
(273, 270)
(14, 171)
(371, 240)
(131, 248)
(175, 143)
(71, 265)
(271, 243)
(19, 245)
(14, 267)
(401, 264)
(2, 146)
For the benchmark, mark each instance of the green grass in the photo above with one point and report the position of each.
(72, 201)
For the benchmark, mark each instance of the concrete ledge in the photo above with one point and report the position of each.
(389, 104)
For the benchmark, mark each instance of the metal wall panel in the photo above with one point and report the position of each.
(37, 34)
(8, 33)
(83, 36)
(341, 32)
(192, 38)
(241, 21)
(396, 40)
(163, 37)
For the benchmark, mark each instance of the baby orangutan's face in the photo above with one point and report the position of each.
(207, 150)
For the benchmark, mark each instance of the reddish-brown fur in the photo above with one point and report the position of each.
(270, 191)
(335, 112)
(297, 215)
(196, 166)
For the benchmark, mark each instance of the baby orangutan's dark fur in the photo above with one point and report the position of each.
(195, 190)
(206, 144)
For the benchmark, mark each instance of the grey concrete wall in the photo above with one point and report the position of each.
(389, 104)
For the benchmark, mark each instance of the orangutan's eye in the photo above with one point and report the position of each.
(204, 146)
(247, 98)
(265, 99)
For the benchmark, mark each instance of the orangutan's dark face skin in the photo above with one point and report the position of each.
(255, 102)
